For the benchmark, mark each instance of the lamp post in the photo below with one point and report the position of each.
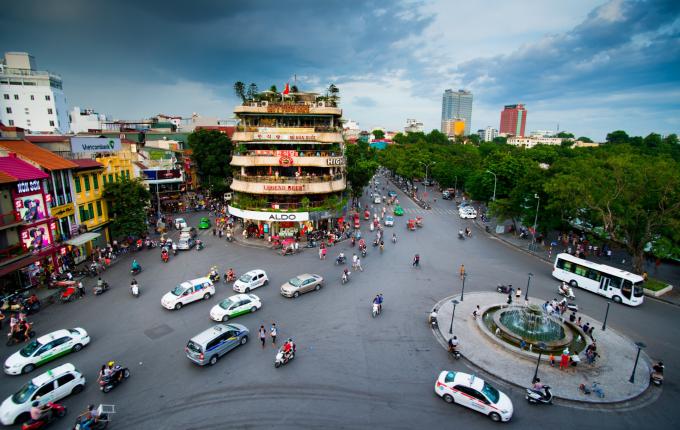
(533, 239)
(455, 188)
(427, 166)
(526, 293)
(495, 180)
(606, 314)
(462, 292)
(541, 347)
(639, 345)
(453, 313)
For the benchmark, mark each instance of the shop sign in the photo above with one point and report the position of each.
(286, 161)
(53, 225)
(48, 198)
(62, 211)
(30, 207)
(95, 144)
(62, 251)
(282, 108)
(276, 136)
(28, 186)
(283, 187)
(36, 238)
(269, 216)
(335, 161)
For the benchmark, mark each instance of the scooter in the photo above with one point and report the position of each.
(573, 307)
(54, 411)
(11, 340)
(69, 294)
(230, 238)
(102, 422)
(101, 290)
(345, 278)
(656, 377)
(455, 353)
(536, 397)
(433, 320)
(214, 276)
(566, 291)
(199, 245)
(375, 310)
(119, 375)
(229, 278)
(340, 260)
(282, 359)
(165, 257)
(134, 290)
(136, 271)
(363, 252)
(461, 235)
(504, 289)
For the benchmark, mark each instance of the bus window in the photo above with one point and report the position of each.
(614, 282)
(627, 289)
(638, 289)
(564, 265)
(594, 275)
(580, 270)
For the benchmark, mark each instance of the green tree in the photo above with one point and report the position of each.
(240, 90)
(617, 137)
(564, 135)
(273, 89)
(474, 139)
(252, 91)
(378, 134)
(128, 200)
(500, 140)
(211, 152)
(585, 139)
(332, 93)
(361, 166)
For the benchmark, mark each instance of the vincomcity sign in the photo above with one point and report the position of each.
(95, 144)
(269, 216)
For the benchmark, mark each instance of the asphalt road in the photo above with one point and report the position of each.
(351, 371)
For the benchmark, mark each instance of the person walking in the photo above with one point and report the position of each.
(359, 264)
(461, 271)
(518, 294)
(263, 335)
(272, 333)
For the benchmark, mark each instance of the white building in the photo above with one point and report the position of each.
(30, 98)
(350, 129)
(84, 120)
(487, 134)
(413, 126)
(542, 133)
(530, 142)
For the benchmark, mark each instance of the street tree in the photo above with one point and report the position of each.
(378, 134)
(127, 200)
(361, 166)
(211, 152)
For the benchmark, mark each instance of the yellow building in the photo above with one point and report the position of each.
(91, 208)
(453, 127)
(116, 166)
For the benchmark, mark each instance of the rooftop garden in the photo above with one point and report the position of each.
(252, 93)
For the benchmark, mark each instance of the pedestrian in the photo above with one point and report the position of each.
(476, 312)
(323, 253)
(81, 289)
(510, 296)
(272, 333)
(564, 359)
(263, 335)
(590, 332)
(461, 271)
(578, 322)
(518, 293)
(359, 264)
(552, 360)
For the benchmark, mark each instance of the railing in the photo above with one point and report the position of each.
(9, 218)
(265, 103)
(288, 179)
(12, 252)
(264, 205)
(278, 153)
(317, 129)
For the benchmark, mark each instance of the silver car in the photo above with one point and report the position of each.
(208, 346)
(301, 284)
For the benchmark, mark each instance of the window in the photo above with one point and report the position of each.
(6, 96)
(86, 180)
(90, 209)
(99, 208)
(32, 97)
(16, 96)
(63, 380)
(47, 98)
(84, 216)
(45, 389)
(95, 181)
(110, 177)
(593, 274)
(580, 270)
(51, 123)
(11, 122)
(50, 111)
(8, 109)
(77, 181)
(26, 111)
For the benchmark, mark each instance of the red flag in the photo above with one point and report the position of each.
(286, 90)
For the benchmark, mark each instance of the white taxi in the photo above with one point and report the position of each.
(251, 280)
(472, 392)
(236, 305)
(46, 348)
(188, 292)
(51, 386)
(467, 212)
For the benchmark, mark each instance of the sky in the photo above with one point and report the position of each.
(587, 66)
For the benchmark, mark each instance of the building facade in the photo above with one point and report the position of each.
(487, 134)
(457, 105)
(29, 98)
(530, 142)
(85, 120)
(453, 127)
(513, 120)
(413, 126)
(289, 168)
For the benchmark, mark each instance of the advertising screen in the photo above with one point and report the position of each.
(30, 207)
(36, 238)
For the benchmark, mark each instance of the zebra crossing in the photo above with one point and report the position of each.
(422, 211)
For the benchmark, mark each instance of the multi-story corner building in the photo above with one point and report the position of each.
(29, 98)
(487, 134)
(289, 168)
(457, 104)
(513, 120)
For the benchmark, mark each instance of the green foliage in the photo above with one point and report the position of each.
(585, 139)
(240, 90)
(500, 140)
(378, 134)
(474, 139)
(128, 200)
(617, 137)
(361, 166)
(211, 152)
(564, 135)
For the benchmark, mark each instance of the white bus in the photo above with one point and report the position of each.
(616, 284)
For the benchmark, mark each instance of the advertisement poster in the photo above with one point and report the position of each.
(31, 207)
(35, 239)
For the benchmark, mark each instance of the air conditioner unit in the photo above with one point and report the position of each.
(264, 103)
(253, 104)
(321, 104)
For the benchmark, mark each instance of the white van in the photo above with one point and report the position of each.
(187, 292)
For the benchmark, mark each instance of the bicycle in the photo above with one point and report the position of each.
(594, 388)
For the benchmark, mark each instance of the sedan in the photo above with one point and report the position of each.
(250, 280)
(472, 392)
(301, 284)
(234, 306)
(467, 213)
(46, 348)
(398, 210)
(389, 221)
(204, 223)
(392, 193)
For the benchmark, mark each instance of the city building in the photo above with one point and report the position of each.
(530, 142)
(350, 130)
(542, 133)
(487, 134)
(289, 168)
(29, 98)
(453, 127)
(85, 120)
(513, 120)
(457, 105)
(413, 126)
(92, 212)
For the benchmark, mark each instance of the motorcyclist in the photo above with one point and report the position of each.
(37, 411)
(362, 244)
(416, 260)
(341, 257)
(100, 283)
(199, 244)
(394, 237)
(231, 275)
(164, 254)
(288, 349)
(345, 275)
(453, 344)
(134, 287)
(564, 288)
(213, 274)
(460, 233)
(89, 418)
(537, 386)
(174, 248)
(135, 266)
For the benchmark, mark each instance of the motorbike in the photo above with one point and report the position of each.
(150, 244)
(69, 294)
(504, 289)
(363, 252)
(345, 278)
(394, 239)
(120, 374)
(136, 270)
(93, 270)
(11, 340)
(230, 238)
(536, 397)
(199, 245)
(134, 290)
(566, 291)
(101, 290)
(375, 310)
(455, 353)
(656, 377)
(433, 320)
(461, 235)
(165, 257)
(101, 423)
(282, 358)
(570, 306)
(214, 276)
(229, 278)
(340, 260)
(376, 243)
(53, 412)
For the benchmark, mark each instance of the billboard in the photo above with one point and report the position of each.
(95, 144)
(30, 207)
(36, 238)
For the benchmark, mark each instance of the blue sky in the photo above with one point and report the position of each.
(591, 66)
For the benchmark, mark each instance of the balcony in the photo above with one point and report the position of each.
(288, 185)
(283, 135)
(9, 219)
(299, 158)
(289, 108)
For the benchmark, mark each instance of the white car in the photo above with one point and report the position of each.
(46, 348)
(236, 305)
(180, 223)
(251, 280)
(51, 386)
(377, 200)
(467, 213)
(389, 221)
(472, 392)
(187, 292)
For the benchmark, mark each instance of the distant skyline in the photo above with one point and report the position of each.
(591, 66)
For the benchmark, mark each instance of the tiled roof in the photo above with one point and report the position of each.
(44, 158)
(13, 169)
(46, 138)
(87, 163)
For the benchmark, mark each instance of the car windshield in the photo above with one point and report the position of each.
(245, 278)
(638, 290)
(450, 377)
(224, 304)
(29, 349)
(491, 393)
(193, 347)
(178, 291)
(24, 394)
(296, 282)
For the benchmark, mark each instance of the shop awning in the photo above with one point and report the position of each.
(19, 264)
(83, 238)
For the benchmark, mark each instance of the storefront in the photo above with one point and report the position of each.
(265, 224)
(65, 215)
(80, 247)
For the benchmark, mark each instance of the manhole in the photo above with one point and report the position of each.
(158, 331)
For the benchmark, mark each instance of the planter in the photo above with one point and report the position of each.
(658, 293)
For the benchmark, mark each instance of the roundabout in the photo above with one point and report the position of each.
(514, 343)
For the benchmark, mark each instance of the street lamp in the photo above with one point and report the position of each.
(462, 293)
(495, 180)
(526, 293)
(453, 313)
(639, 345)
(455, 188)
(606, 314)
(541, 347)
(533, 240)
(427, 166)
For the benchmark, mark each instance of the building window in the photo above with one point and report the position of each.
(8, 109)
(32, 97)
(86, 180)
(95, 181)
(67, 186)
(77, 181)
(11, 122)
(110, 177)
(47, 98)
(51, 123)
(49, 111)
(26, 111)
(84, 215)
(90, 209)
(6, 96)
(16, 96)
(99, 208)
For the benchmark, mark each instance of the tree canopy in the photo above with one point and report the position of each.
(211, 152)
(127, 207)
(361, 166)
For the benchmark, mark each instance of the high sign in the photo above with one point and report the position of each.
(278, 136)
(281, 108)
(269, 216)
(335, 161)
(95, 144)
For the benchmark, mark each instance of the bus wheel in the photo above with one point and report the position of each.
(573, 284)
(616, 299)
